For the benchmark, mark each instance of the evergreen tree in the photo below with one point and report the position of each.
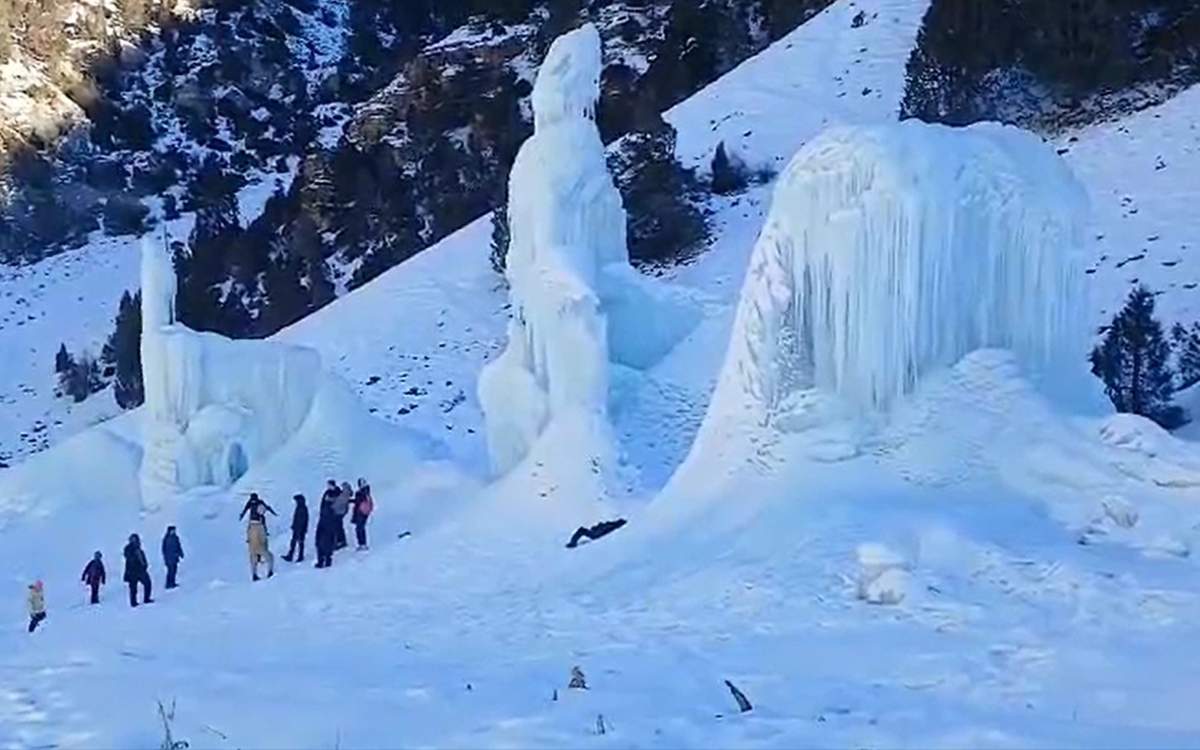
(122, 352)
(1133, 360)
(500, 234)
(729, 174)
(210, 254)
(81, 379)
(660, 196)
(1187, 354)
(62, 360)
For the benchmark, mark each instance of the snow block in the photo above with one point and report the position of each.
(891, 251)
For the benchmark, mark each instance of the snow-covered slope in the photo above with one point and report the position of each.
(1042, 559)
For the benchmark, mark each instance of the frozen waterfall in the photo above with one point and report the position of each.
(214, 406)
(577, 304)
(893, 250)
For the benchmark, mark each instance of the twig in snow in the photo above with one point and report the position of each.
(168, 718)
(740, 697)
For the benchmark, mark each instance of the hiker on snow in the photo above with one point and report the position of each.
(326, 536)
(331, 498)
(37, 605)
(341, 506)
(172, 551)
(256, 535)
(299, 529)
(94, 576)
(137, 570)
(363, 506)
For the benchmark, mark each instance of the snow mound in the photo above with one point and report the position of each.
(893, 250)
(577, 304)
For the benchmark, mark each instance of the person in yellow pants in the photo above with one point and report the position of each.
(256, 534)
(260, 550)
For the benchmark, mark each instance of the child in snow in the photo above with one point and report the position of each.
(37, 605)
(94, 576)
(364, 504)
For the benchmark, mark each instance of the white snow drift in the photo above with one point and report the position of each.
(214, 406)
(577, 304)
(894, 250)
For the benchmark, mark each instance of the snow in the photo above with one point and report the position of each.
(1031, 616)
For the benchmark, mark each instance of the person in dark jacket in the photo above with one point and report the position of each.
(137, 570)
(299, 530)
(364, 505)
(172, 551)
(257, 508)
(326, 536)
(94, 576)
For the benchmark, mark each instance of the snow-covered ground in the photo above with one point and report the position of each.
(1042, 560)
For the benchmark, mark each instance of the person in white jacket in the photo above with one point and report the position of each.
(37, 605)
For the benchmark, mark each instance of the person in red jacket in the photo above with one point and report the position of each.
(364, 505)
(94, 576)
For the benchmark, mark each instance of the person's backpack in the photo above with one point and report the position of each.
(366, 505)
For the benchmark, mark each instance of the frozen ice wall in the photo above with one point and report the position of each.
(214, 406)
(897, 249)
(577, 303)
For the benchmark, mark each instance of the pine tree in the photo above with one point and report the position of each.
(62, 360)
(729, 175)
(1187, 354)
(123, 353)
(500, 233)
(1133, 360)
(660, 196)
(81, 379)
(205, 263)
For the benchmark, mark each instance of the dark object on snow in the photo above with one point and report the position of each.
(740, 697)
(578, 681)
(137, 570)
(94, 576)
(595, 532)
(172, 551)
(299, 530)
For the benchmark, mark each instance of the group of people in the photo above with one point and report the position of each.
(336, 503)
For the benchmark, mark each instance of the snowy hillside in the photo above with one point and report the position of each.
(982, 567)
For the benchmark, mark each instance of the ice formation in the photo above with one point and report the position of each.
(577, 303)
(214, 406)
(894, 250)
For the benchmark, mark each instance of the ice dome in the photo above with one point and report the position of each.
(893, 250)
